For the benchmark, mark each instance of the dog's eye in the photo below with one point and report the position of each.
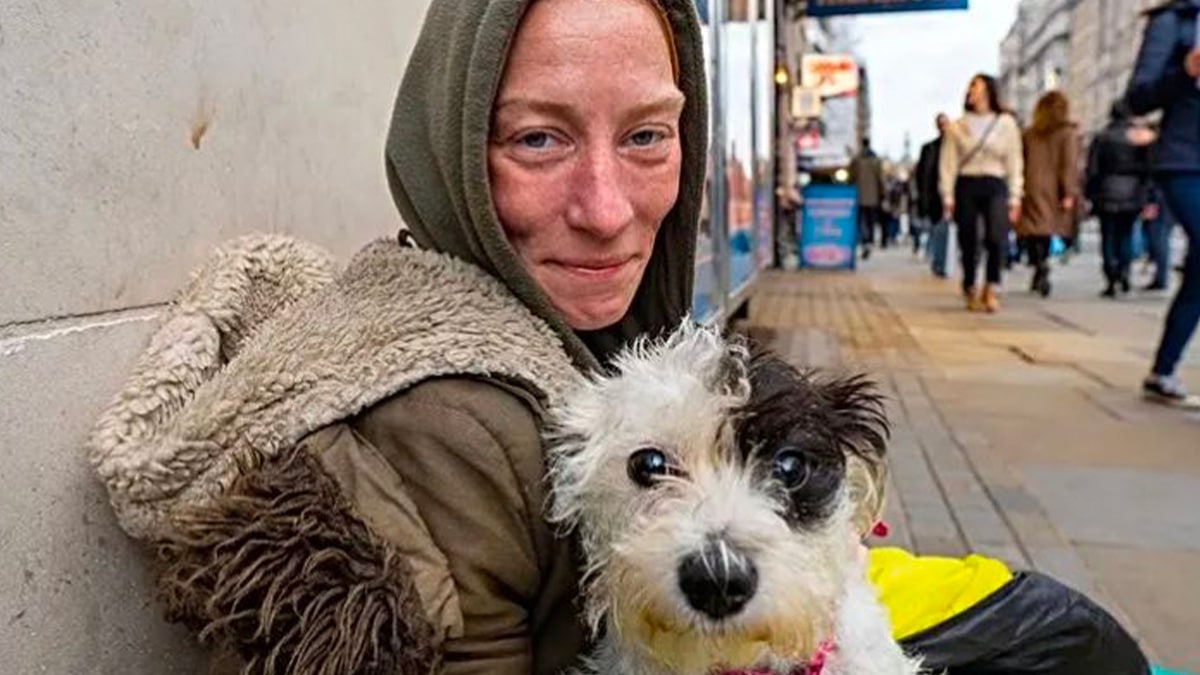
(647, 466)
(792, 468)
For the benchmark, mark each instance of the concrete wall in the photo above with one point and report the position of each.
(134, 136)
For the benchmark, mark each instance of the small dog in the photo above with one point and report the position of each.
(721, 500)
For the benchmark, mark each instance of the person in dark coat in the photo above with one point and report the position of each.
(930, 209)
(1118, 183)
(1166, 78)
(868, 179)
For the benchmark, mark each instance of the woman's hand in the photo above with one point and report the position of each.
(948, 207)
(1191, 64)
(1068, 204)
(1014, 214)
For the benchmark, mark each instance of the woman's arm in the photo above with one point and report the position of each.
(1068, 169)
(1158, 76)
(1014, 162)
(469, 456)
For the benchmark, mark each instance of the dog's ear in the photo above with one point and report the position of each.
(860, 421)
(861, 428)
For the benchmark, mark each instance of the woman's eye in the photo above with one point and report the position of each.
(647, 466)
(646, 138)
(536, 140)
(791, 468)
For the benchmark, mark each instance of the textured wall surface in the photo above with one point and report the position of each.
(134, 136)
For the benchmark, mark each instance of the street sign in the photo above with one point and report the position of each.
(837, 7)
(829, 74)
(828, 226)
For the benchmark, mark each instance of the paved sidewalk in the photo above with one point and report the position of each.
(1021, 435)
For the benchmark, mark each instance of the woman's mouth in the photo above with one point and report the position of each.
(593, 270)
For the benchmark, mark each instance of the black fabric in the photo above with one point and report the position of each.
(1118, 172)
(1116, 244)
(1034, 625)
(870, 220)
(981, 198)
(929, 201)
(1039, 250)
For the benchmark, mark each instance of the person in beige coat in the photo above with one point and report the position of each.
(981, 181)
(1051, 183)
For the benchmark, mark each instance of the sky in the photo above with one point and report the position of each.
(919, 63)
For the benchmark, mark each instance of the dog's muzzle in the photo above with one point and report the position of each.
(719, 580)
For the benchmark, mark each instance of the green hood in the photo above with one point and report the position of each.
(436, 160)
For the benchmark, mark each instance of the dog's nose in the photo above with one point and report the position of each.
(719, 580)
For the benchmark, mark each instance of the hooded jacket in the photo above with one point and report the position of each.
(342, 471)
(1159, 82)
(1118, 170)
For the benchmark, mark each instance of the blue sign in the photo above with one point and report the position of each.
(836, 7)
(828, 233)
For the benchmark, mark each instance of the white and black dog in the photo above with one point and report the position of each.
(720, 499)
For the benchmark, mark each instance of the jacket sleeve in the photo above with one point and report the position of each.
(1158, 75)
(948, 165)
(1092, 172)
(469, 456)
(1068, 169)
(1014, 164)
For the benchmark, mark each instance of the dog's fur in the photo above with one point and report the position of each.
(721, 417)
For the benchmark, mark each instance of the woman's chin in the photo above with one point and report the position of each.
(591, 315)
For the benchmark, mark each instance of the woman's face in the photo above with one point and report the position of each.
(977, 95)
(585, 154)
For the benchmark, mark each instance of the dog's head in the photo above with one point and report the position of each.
(719, 496)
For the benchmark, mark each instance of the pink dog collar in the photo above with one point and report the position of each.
(816, 665)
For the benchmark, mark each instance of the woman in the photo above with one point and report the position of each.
(1118, 184)
(350, 479)
(981, 176)
(1165, 78)
(1051, 154)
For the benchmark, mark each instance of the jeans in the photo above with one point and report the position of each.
(1157, 234)
(939, 245)
(986, 199)
(1116, 242)
(869, 219)
(1182, 192)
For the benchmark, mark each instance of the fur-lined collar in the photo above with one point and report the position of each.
(265, 346)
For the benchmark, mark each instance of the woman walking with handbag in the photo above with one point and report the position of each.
(981, 176)
(1051, 184)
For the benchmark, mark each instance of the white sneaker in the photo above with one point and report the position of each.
(1169, 390)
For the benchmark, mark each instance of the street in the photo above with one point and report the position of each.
(1021, 435)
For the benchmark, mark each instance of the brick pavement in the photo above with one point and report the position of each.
(993, 416)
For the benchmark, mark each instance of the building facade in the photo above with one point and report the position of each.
(137, 136)
(1105, 38)
(1035, 54)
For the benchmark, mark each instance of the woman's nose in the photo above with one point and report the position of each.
(601, 203)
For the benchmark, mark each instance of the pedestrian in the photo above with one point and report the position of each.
(1157, 224)
(1118, 187)
(929, 201)
(360, 486)
(1051, 183)
(1167, 78)
(867, 170)
(981, 181)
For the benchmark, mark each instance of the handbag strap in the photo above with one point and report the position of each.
(979, 144)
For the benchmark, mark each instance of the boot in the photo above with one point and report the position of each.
(1043, 283)
(974, 304)
(991, 303)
